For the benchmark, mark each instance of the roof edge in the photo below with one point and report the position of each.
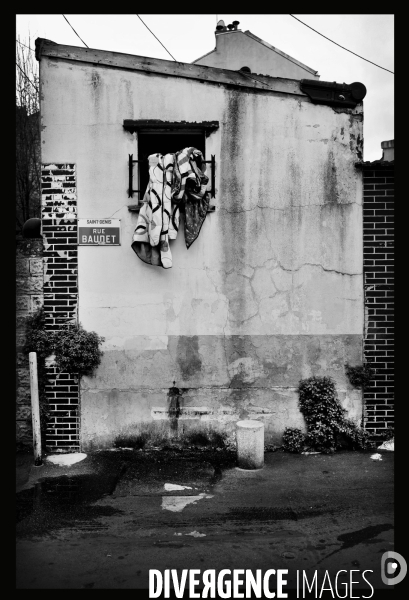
(280, 52)
(200, 57)
(168, 68)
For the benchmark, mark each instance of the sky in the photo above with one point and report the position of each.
(188, 37)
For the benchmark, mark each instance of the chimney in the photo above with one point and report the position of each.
(221, 26)
(388, 153)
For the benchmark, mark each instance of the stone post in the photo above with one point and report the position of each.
(250, 444)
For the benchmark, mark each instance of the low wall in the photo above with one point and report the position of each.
(29, 297)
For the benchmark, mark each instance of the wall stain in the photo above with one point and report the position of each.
(96, 88)
(234, 224)
(187, 355)
(330, 180)
(174, 407)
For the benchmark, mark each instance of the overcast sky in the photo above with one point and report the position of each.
(188, 37)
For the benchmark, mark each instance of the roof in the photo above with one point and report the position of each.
(131, 62)
(277, 51)
(378, 164)
(266, 44)
(204, 74)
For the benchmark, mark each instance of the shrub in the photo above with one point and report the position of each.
(389, 434)
(41, 341)
(205, 437)
(360, 376)
(76, 350)
(293, 439)
(351, 436)
(327, 427)
(38, 339)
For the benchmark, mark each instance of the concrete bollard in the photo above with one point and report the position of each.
(250, 444)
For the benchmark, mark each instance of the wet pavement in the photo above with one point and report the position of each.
(104, 522)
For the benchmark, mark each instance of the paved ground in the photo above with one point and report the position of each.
(104, 522)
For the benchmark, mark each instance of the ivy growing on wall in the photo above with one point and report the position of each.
(327, 427)
(360, 376)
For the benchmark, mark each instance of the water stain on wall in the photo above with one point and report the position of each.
(330, 179)
(187, 356)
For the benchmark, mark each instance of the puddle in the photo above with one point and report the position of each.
(149, 477)
(263, 513)
(66, 459)
(178, 503)
(364, 536)
(63, 502)
(171, 487)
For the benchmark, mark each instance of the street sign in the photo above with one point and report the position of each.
(99, 232)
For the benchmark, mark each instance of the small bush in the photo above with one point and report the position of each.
(293, 439)
(389, 434)
(205, 438)
(41, 341)
(327, 427)
(38, 339)
(76, 350)
(360, 376)
(351, 436)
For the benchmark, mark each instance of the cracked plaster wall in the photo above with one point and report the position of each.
(270, 292)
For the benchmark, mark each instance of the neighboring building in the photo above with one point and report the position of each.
(379, 179)
(270, 292)
(236, 49)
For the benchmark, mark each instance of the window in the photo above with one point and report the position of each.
(163, 143)
(164, 137)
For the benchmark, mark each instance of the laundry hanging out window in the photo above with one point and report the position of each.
(161, 137)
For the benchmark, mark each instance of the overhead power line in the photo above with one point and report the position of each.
(156, 38)
(75, 31)
(28, 78)
(327, 38)
(21, 44)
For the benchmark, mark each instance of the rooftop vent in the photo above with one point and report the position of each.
(245, 69)
(221, 26)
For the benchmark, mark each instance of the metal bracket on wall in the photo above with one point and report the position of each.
(131, 163)
(131, 191)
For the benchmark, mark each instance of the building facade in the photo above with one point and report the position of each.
(271, 291)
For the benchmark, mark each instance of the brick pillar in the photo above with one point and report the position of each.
(29, 297)
(378, 222)
(59, 227)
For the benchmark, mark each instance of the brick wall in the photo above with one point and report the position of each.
(59, 228)
(29, 297)
(378, 223)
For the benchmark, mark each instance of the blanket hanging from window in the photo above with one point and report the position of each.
(177, 183)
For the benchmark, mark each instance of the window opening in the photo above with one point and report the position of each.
(163, 143)
(156, 136)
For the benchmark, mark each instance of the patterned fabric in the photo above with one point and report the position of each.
(177, 182)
